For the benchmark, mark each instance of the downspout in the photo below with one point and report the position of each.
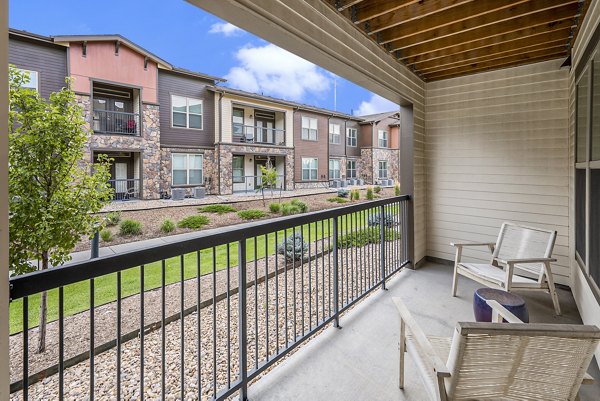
(294, 110)
(373, 152)
(220, 141)
(328, 147)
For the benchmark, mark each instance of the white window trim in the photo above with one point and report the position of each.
(187, 113)
(339, 169)
(387, 169)
(355, 169)
(303, 127)
(37, 80)
(333, 135)
(348, 137)
(187, 169)
(302, 169)
(384, 138)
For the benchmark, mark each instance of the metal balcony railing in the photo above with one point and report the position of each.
(116, 122)
(126, 189)
(204, 316)
(251, 183)
(260, 135)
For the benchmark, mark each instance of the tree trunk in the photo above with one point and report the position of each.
(43, 311)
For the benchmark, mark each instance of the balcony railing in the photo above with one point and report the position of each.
(253, 182)
(203, 316)
(126, 189)
(116, 122)
(260, 135)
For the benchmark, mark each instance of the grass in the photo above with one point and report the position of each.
(167, 226)
(76, 296)
(106, 235)
(337, 199)
(218, 209)
(193, 222)
(251, 214)
(275, 207)
(130, 227)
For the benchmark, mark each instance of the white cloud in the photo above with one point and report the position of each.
(376, 104)
(225, 28)
(273, 71)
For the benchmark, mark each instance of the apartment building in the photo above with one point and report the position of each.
(165, 127)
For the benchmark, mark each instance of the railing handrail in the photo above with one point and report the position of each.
(257, 127)
(38, 281)
(116, 112)
(124, 179)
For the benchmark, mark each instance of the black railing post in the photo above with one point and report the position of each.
(243, 329)
(382, 244)
(336, 306)
(95, 251)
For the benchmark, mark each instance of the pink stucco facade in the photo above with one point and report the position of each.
(101, 62)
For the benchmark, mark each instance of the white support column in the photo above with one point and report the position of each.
(4, 291)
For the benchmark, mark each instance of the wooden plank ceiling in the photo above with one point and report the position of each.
(440, 39)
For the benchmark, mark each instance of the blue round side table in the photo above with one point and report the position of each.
(514, 303)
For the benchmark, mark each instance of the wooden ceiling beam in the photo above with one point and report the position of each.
(343, 5)
(548, 40)
(424, 31)
(525, 37)
(534, 57)
(556, 46)
(374, 9)
(413, 12)
(428, 44)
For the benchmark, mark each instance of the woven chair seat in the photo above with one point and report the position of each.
(493, 273)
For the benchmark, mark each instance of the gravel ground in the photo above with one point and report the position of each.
(304, 293)
(152, 217)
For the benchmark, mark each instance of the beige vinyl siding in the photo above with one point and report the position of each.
(497, 150)
(420, 200)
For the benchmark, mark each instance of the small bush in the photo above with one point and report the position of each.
(388, 220)
(130, 227)
(337, 199)
(193, 222)
(106, 235)
(167, 226)
(113, 218)
(218, 209)
(300, 205)
(397, 190)
(371, 235)
(370, 195)
(288, 209)
(377, 189)
(355, 195)
(342, 193)
(275, 207)
(293, 247)
(251, 214)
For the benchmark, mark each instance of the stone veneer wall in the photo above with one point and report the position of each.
(209, 169)
(147, 144)
(392, 157)
(311, 185)
(225, 154)
(364, 165)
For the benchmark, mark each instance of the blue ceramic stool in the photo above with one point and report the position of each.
(514, 303)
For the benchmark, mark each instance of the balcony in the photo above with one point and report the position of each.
(258, 135)
(126, 189)
(116, 122)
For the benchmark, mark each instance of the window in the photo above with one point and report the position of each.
(334, 134)
(334, 169)
(309, 129)
(238, 169)
(238, 122)
(382, 137)
(351, 137)
(186, 112)
(309, 169)
(383, 169)
(187, 169)
(33, 79)
(351, 169)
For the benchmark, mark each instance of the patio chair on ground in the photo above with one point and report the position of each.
(500, 361)
(520, 260)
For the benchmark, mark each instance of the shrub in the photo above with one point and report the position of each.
(377, 189)
(397, 190)
(106, 235)
(342, 193)
(193, 222)
(113, 218)
(388, 220)
(167, 226)
(300, 205)
(370, 195)
(355, 194)
(218, 209)
(130, 227)
(275, 207)
(337, 199)
(293, 247)
(289, 209)
(251, 214)
(371, 235)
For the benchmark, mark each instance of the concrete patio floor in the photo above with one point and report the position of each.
(360, 361)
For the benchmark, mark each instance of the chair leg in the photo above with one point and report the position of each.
(402, 354)
(552, 289)
(455, 277)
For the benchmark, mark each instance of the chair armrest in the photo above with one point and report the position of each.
(438, 365)
(588, 379)
(524, 261)
(458, 244)
(499, 310)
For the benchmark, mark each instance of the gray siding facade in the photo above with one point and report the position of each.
(177, 84)
(49, 60)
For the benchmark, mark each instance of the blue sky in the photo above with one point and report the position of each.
(191, 38)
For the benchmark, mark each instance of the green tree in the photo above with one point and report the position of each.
(268, 179)
(53, 193)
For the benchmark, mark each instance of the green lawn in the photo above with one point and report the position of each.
(77, 299)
